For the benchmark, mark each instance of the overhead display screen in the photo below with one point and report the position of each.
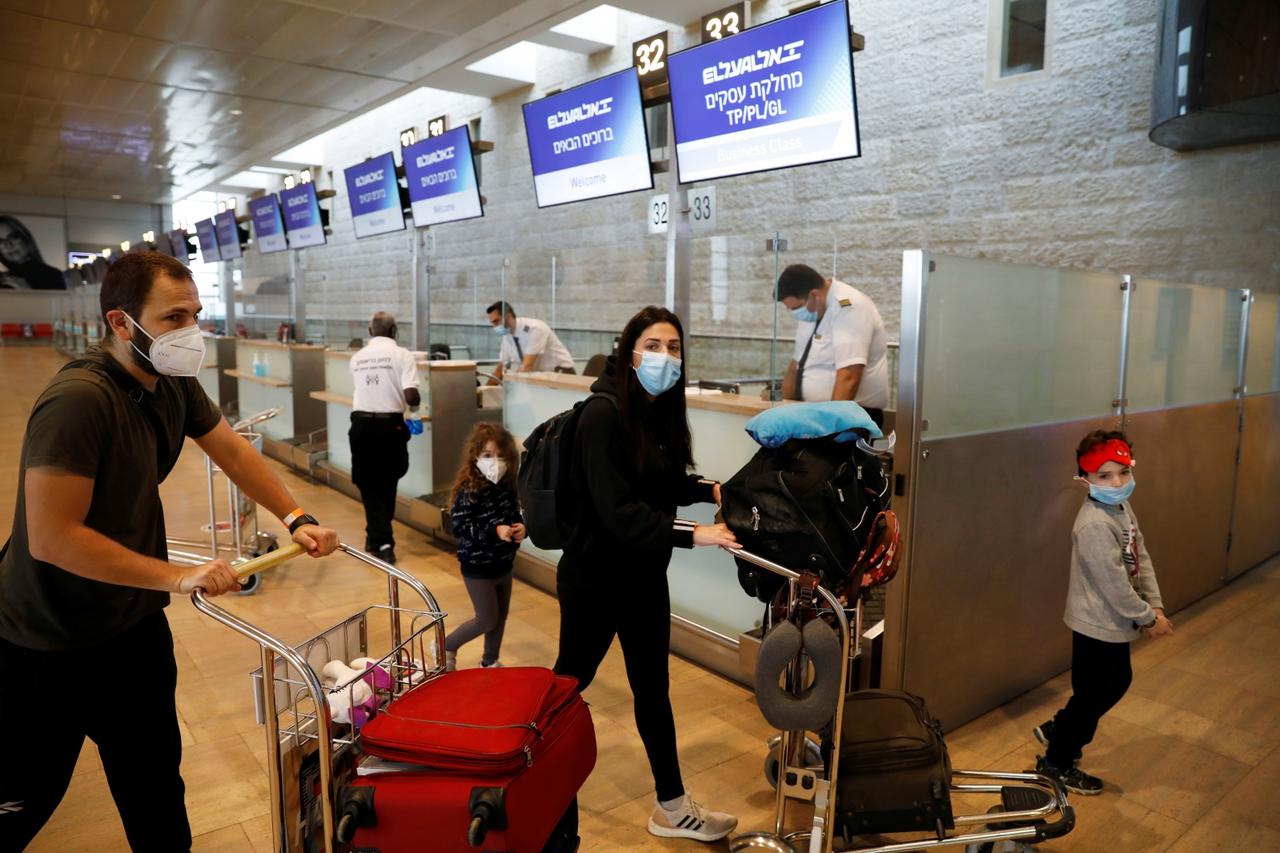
(374, 194)
(268, 225)
(589, 141)
(442, 178)
(228, 234)
(178, 243)
(302, 216)
(208, 238)
(773, 96)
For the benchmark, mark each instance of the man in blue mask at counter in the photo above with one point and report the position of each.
(527, 344)
(841, 343)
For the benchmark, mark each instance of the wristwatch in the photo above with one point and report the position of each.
(297, 519)
(1152, 623)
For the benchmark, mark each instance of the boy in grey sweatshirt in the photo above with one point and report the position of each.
(1113, 596)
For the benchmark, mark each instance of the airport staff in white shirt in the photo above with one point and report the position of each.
(385, 380)
(841, 344)
(528, 344)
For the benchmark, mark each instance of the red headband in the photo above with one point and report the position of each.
(1113, 450)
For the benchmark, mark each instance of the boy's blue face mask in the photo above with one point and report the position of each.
(804, 315)
(1113, 496)
(658, 372)
(500, 329)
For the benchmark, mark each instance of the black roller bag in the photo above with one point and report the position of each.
(809, 505)
(894, 772)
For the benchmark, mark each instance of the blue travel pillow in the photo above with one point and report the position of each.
(775, 427)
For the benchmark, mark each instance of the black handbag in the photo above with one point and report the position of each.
(894, 771)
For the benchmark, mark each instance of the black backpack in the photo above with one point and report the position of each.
(543, 482)
(809, 505)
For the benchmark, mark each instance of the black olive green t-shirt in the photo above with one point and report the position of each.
(94, 419)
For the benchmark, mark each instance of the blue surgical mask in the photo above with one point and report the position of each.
(804, 315)
(657, 372)
(500, 329)
(1112, 496)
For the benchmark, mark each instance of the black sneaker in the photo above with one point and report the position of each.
(1044, 732)
(1073, 779)
(387, 554)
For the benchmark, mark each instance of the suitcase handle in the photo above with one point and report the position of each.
(269, 560)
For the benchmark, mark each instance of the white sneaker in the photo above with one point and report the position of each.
(690, 820)
(495, 665)
(450, 661)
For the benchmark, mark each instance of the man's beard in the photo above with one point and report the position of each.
(141, 360)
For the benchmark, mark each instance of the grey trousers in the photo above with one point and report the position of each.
(492, 602)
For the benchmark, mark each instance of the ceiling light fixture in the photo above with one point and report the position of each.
(116, 196)
(237, 112)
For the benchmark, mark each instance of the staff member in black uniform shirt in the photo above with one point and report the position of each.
(632, 455)
(85, 649)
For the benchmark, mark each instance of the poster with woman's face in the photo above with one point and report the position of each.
(28, 245)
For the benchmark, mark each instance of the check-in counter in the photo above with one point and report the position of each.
(709, 610)
(293, 372)
(223, 390)
(451, 406)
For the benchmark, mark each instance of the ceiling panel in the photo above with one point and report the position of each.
(115, 15)
(153, 99)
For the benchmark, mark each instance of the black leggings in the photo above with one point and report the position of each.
(641, 619)
(133, 721)
(1100, 676)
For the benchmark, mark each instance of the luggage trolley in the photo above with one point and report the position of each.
(1028, 801)
(310, 757)
(247, 540)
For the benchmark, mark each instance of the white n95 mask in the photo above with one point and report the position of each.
(176, 353)
(492, 468)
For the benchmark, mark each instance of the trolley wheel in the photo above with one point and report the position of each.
(250, 585)
(812, 758)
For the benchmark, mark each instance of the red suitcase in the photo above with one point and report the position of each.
(502, 754)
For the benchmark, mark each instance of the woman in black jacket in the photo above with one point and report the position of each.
(632, 456)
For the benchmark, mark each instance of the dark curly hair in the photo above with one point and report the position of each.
(469, 478)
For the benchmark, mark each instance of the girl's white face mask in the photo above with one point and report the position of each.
(176, 353)
(492, 467)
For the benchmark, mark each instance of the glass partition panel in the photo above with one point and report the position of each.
(598, 288)
(1008, 345)
(1262, 368)
(1184, 345)
(730, 326)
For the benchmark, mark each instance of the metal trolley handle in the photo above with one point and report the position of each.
(272, 646)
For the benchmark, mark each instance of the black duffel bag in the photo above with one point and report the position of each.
(808, 505)
(894, 772)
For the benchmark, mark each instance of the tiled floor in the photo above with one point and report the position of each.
(1192, 753)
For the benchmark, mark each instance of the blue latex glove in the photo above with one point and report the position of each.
(414, 425)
